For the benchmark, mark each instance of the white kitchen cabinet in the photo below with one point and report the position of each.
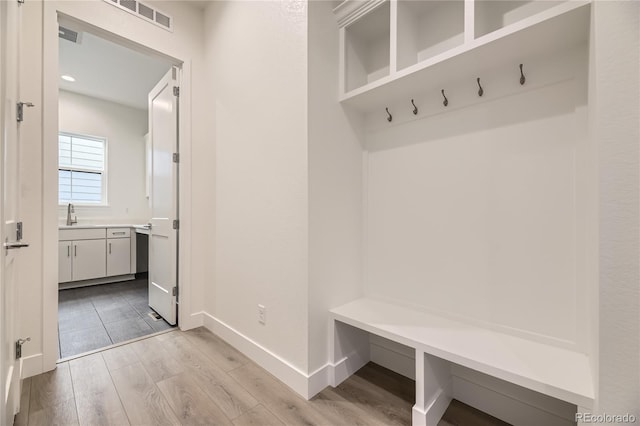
(118, 256)
(64, 261)
(89, 259)
(95, 255)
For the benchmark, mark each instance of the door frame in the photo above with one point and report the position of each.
(99, 25)
(10, 367)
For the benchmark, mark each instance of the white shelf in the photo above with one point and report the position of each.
(511, 36)
(547, 369)
(492, 15)
(428, 28)
(367, 48)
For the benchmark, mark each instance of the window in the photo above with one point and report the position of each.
(81, 169)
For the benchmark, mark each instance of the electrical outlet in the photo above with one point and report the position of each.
(262, 314)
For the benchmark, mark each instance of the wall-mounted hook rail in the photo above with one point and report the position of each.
(415, 108)
(480, 89)
(522, 77)
(446, 101)
(390, 117)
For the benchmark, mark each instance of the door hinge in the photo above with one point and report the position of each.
(176, 91)
(174, 292)
(176, 224)
(19, 344)
(18, 231)
(20, 110)
(176, 157)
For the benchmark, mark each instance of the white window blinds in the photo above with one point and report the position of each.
(81, 169)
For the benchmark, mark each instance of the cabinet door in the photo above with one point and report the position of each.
(118, 256)
(64, 261)
(89, 259)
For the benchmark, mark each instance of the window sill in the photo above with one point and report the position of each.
(82, 205)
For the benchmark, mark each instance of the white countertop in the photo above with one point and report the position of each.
(140, 229)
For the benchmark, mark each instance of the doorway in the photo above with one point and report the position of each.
(107, 156)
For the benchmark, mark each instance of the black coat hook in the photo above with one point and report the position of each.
(480, 90)
(415, 108)
(446, 101)
(522, 77)
(390, 117)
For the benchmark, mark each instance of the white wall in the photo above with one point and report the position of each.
(39, 203)
(257, 72)
(124, 128)
(616, 131)
(335, 186)
(476, 213)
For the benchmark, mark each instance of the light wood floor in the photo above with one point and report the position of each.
(195, 378)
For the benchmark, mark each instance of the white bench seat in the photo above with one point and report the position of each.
(550, 370)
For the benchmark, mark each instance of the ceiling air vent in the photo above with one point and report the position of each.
(70, 35)
(129, 4)
(144, 11)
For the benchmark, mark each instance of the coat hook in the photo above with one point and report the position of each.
(480, 90)
(415, 108)
(522, 77)
(389, 118)
(446, 101)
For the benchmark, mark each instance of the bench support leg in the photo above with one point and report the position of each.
(433, 389)
(349, 350)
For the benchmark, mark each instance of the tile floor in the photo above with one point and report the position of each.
(91, 318)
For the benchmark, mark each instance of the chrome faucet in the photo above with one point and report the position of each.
(69, 211)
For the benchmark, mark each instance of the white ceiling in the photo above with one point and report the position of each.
(106, 70)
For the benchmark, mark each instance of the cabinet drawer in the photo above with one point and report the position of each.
(118, 232)
(81, 234)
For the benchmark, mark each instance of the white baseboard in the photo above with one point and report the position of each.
(433, 413)
(341, 370)
(349, 350)
(190, 321)
(506, 401)
(306, 385)
(393, 355)
(96, 281)
(32, 365)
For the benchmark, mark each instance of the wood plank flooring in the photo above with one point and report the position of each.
(195, 378)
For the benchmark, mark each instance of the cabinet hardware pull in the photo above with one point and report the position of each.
(390, 117)
(446, 101)
(68, 251)
(480, 90)
(109, 248)
(119, 233)
(75, 251)
(522, 77)
(415, 108)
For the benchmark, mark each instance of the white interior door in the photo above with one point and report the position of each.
(163, 238)
(9, 194)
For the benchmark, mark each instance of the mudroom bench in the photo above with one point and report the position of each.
(441, 343)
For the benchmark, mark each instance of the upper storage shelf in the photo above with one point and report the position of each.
(367, 46)
(492, 15)
(427, 28)
(391, 48)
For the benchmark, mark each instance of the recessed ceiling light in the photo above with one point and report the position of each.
(68, 78)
